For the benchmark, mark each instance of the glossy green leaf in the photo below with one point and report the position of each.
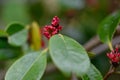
(14, 28)
(68, 55)
(29, 67)
(92, 74)
(19, 38)
(17, 34)
(108, 26)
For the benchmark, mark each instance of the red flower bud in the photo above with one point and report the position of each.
(114, 56)
(49, 31)
(55, 21)
(54, 28)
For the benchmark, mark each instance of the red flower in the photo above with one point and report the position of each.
(114, 56)
(49, 31)
(55, 21)
(54, 28)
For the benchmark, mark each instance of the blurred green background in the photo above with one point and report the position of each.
(79, 18)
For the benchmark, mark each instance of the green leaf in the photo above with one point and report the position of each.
(18, 34)
(14, 28)
(92, 74)
(29, 67)
(68, 55)
(108, 26)
(19, 38)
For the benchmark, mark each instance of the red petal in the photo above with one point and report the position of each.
(110, 55)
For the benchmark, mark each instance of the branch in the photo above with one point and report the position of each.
(73, 77)
(94, 44)
(50, 68)
(102, 47)
(2, 74)
(112, 70)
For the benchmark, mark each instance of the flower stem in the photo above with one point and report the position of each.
(111, 70)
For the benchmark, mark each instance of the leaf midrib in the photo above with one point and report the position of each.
(67, 50)
(31, 66)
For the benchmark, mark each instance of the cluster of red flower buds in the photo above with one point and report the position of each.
(54, 28)
(114, 56)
